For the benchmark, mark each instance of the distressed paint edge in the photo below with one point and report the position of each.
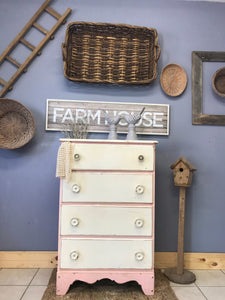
(46, 115)
(197, 101)
(211, 56)
(212, 120)
(110, 102)
(163, 260)
(168, 121)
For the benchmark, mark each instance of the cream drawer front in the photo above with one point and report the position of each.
(106, 253)
(106, 220)
(108, 187)
(113, 157)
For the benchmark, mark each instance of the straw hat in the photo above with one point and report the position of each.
(17, 124)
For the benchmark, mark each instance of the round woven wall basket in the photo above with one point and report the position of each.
(218, 82)
(17, 124)
(173, 80)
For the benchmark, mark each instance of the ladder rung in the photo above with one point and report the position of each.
(2, 82)
(13, 61)
(26, 43)
(52, 12)
(39, 27)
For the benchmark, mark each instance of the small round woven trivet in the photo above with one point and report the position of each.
(173, 80)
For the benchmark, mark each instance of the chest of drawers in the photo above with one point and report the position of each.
(106, 214)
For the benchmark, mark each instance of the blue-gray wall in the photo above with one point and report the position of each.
(28, 187)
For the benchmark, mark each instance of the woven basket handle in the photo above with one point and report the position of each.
(64, 51)
(158, 49)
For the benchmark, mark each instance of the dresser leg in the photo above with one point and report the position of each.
(147, 284)
(147, 290)
(62, 284)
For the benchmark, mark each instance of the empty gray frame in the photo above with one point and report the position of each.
(198, 118)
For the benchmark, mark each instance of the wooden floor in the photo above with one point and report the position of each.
(48, 259)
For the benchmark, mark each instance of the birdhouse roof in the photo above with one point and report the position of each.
(185, 161)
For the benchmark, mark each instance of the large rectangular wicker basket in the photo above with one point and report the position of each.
(110, 53)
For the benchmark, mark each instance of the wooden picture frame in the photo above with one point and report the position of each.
(198, 118)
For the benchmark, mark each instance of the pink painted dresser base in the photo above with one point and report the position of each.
(66, 277)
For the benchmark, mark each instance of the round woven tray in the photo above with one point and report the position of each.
(218, 82)
(173, 80)
(17, 124)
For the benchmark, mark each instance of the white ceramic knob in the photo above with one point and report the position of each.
(76, 188)
(139, 189)
(76, 156)
(139, 256)
(139, 223)
(74, 255)
(74, 222)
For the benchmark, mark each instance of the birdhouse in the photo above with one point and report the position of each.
(182, 172)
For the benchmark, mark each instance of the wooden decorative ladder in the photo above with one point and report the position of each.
(20, 68)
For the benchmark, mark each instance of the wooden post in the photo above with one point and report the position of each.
(180, 247)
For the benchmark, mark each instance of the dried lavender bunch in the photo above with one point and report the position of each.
(77, 130)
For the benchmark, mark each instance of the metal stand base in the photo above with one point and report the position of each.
(185, 278)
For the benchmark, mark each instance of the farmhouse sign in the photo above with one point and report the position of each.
(61, 113)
